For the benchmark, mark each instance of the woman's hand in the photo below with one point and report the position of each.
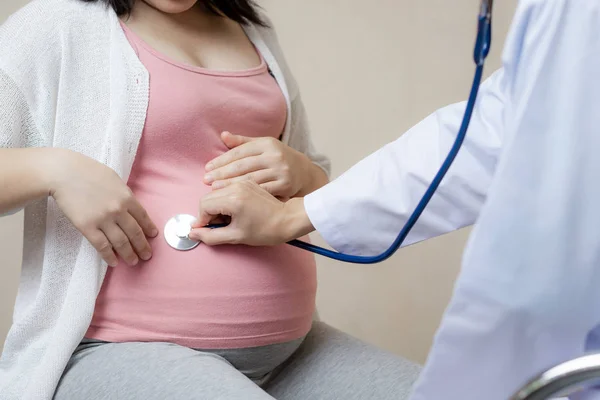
(101, 207)
(257, 218)
(277, 168)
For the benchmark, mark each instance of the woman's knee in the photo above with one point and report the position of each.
(151, 371)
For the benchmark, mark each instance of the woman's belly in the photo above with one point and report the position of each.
(209, 297)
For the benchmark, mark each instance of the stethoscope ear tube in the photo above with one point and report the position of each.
(482, 47)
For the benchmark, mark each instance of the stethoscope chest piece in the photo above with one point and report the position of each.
(177, 231)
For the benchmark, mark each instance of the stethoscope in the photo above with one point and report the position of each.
(178, 228)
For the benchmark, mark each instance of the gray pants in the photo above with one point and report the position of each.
(328, 365)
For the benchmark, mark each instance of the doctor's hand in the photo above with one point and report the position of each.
(257, 218)
(101, 206)
(276, 167)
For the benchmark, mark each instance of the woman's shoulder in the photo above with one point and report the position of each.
(53, 15)
(39, 32)
(267, 31)
(268, 35)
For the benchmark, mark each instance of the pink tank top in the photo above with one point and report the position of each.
(206, 298)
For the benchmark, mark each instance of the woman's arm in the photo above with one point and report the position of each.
(315, 178)
(24, 177)
(91, 195)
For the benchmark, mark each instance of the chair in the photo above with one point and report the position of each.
(563, 380)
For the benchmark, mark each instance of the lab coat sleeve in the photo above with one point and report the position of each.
(362, 211)
(527, 297)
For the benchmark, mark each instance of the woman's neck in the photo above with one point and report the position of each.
(152, 21)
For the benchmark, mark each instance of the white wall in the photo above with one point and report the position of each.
(368, 71)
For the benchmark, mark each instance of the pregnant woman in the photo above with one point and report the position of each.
(116, 116)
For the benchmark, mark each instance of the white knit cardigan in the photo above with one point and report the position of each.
(69, 79)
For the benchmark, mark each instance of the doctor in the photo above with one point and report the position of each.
(528, 177)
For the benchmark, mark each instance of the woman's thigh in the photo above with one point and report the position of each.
(331, 365)
(149, 371)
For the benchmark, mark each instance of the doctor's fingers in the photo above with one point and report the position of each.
(214, 237)
(213, 205)
(230, 201)
(227, 201)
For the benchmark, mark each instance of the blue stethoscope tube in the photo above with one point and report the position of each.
(482, 47)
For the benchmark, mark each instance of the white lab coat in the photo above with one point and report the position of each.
(528, 176)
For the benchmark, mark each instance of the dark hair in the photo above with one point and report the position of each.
(241, 11)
